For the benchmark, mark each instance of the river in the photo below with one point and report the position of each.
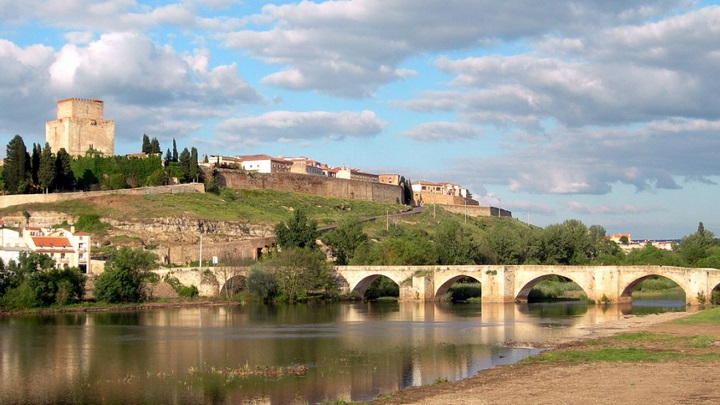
(260, 354)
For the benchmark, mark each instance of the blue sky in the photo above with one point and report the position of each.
(603, 111)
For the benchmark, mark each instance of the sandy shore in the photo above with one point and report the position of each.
(670, 382)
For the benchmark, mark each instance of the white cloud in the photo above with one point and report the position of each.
(287, 125)
(350, 48)
(581, 208)
(442, 131)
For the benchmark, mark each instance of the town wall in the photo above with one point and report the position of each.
(476, 210)
(315, 185)
(21, 199)
(444, 199)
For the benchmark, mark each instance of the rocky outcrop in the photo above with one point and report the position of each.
(180, 230)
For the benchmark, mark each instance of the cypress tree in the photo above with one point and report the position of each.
(175, 152)
(146, 146)
(155, 146)
(64, 177)
(17, 165)
(46, 171)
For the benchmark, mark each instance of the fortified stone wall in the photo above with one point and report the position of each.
(429, 198)
(233, 251)
(20, 199)
(315, 185)
(80, 126)
(477, 211)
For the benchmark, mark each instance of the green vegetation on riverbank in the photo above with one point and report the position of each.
(644, 347)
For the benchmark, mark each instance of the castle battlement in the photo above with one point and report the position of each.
(80, 126)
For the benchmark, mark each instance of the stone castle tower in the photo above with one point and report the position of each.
(80, 126)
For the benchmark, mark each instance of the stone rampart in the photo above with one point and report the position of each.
(314, 185)
(476, 210)
(21, 199)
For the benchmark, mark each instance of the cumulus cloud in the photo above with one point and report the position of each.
(288, 125)
(350, 48)
(590, 162)
(442, 131)
(581, 208)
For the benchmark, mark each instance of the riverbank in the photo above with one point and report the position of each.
(666, 358)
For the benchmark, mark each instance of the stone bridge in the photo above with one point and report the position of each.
(499, 283)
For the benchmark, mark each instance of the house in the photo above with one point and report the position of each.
(11, 244)
(264, 164)
(67, 247)
(355, 174)
(303, 165)
(389, 179)
(425, 192)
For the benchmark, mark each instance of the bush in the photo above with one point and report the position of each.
(124, 275)
(20, 297)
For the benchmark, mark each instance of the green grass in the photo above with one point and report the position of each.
(608, 355)
(250, 206)
(711, 316)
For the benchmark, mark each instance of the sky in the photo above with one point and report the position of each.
(605, 111)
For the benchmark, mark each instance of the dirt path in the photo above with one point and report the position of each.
(680, 381)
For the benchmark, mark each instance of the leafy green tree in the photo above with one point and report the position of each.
(46, 172)
(168, 157)
(299, 232)
(34, 281)
(344, 239)
(299, 272)
(567, 243)
(650, 255)
(16, 168)
(146, 146)
(693, 248)
(124, 276)
(455, 245)
(403, 247)
(261, 282)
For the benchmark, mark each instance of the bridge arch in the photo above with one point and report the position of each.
(233, 285)
(445, 286)
(626, 295)
(361, 286)
(524, 292)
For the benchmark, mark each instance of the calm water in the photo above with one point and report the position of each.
(348, 351)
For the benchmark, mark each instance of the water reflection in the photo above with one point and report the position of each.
(187, 355)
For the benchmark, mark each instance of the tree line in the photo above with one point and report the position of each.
(43, 171)
(298, 268)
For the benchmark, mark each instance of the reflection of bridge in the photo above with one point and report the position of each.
(500, 283)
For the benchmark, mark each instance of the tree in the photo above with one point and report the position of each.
(693, 248)
(174, 151)
(455, 245)
(299, 232)
(35, 163)
(46, 172)
(298, 272)
(16, 169)
(185, 164)
(194, 168)
(344, 239)
(124, 276)
(407, 194)
(155, 146)
(168, 157)
(64, 177)
(146, 146)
